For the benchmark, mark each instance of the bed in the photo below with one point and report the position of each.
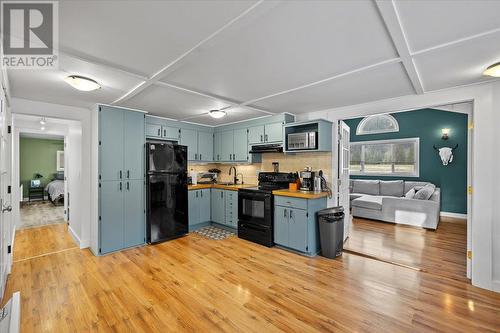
(55, 189)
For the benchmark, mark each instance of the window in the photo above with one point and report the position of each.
(382, 123)
(398, 157)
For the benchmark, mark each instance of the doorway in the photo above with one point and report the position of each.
(46, 162)
(394, 154)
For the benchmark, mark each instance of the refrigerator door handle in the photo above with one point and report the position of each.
(120, 186)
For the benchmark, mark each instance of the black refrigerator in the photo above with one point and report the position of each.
(167, 193)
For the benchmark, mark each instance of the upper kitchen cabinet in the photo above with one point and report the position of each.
(232, 145)
(189, 138)
(268, 133)
(308, 136)
(162, 132)
(205, 146)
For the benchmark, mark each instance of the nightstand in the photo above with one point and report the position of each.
(36, 193)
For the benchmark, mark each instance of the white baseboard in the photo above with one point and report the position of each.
(496, 285)
(82, 244)
(454, 215)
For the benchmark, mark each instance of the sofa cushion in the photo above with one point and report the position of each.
(425, 193)
(410, 194)
(353, 196)
(410, 185)
(369, 202)
(365, 186)
(393, 188)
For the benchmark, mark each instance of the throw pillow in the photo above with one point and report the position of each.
(410, 194)
(425, 193)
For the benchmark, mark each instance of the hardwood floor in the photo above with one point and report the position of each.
(38, 241)
(193, 284)
(440, 252)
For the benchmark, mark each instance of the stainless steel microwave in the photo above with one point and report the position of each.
(303, 140)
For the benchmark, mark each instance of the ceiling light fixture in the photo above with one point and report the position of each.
(217, 113)
(493, 70)
(43, 121)
(82, 83)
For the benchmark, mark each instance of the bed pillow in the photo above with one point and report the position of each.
(60, 176)
(410, 194)
(425, 193)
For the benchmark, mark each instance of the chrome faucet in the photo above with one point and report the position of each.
(235, 179)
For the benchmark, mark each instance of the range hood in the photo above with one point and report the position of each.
(271, 148)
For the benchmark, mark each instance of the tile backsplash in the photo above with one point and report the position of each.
(288, 163)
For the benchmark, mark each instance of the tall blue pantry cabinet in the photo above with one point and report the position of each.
(121, 177)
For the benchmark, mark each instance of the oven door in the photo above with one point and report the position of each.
(255, 207)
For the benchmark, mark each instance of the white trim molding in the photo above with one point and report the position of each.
(453, 215)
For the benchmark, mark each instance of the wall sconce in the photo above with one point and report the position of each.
(445, 132)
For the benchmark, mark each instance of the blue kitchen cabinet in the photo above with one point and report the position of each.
(218, 206)
(218, 146)
(121, 136)
(205, 146)
(231, 209)
(295, 225)
(153, 131)
(240, 145)
(111, 150)
(199, 208)
(256, 134)
(227, 146)
(189, 138)
(170, 133)
(193, 208)
(134, 222)
(281, 225)
(111, 213)
(273, 132)
(133, 142)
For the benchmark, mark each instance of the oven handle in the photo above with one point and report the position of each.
(252, 226)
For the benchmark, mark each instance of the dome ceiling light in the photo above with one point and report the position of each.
(217, 114)
(82, 83)
(493, 70)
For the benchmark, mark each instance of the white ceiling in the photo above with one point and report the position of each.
(180, 59)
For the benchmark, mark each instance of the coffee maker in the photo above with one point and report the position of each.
(307, 180)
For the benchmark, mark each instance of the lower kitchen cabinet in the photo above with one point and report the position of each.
(295, 225)
(218, 206)
(231, 209)
(199, 208)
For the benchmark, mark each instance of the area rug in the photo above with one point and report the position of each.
(38, 213)
(212, 232)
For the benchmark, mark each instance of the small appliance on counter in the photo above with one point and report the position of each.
(307, 179)
(206, 178)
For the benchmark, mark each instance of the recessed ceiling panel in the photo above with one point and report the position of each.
(378, 83)
(169, 102)
(431, 23)
(49, 85)
(459, 64)
(141, 35)
(282, 45)
(233, 115)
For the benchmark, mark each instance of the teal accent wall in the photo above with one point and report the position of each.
(37, 156)
(426, 124)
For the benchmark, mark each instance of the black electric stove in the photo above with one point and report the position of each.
(256, 207)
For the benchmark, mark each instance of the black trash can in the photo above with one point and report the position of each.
(331, 231)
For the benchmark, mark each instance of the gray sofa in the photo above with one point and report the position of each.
(386, 201)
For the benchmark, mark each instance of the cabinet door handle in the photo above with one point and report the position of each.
(200, 156)
(201, 193)
(120, 186)
(120, 174)
(128, 186)
(291, 211)
(230, 157)
(197, 194)
(261, 138)
(234, 157)
(159, 131)
(218, 158)
(165, 133)
(128, 174)
(221, 194)
(266, 137)
(284, 213)
(196, 156)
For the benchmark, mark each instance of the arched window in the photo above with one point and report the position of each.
(382, 123)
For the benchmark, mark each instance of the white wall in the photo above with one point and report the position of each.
(80, 217)
(485, 212)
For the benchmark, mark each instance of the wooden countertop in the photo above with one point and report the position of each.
(300, 194)
(221, 186)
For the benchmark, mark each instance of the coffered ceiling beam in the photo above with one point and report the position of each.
(167, 68)
(390, 16)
